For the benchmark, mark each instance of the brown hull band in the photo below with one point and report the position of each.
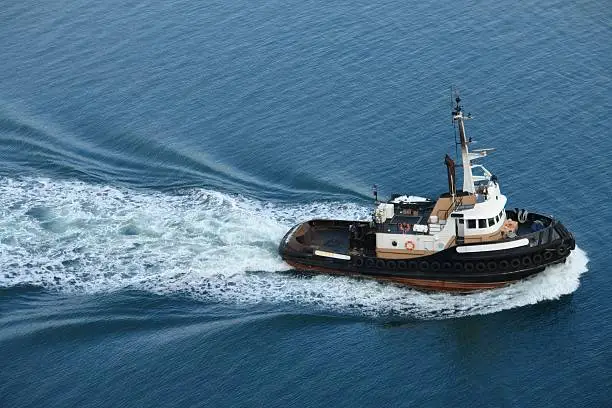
(423, 284)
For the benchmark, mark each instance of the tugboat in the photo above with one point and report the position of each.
(464, 241)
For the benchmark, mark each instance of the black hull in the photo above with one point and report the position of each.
(443, 270)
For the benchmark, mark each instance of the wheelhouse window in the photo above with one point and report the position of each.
(482, 223)
(497, 218)
(491, 222)
(471, 223)
(460, 220)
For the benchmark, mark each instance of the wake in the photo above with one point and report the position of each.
(75, 237)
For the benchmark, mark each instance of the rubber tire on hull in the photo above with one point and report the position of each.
(562, 250)
(380, 264)
(537, 259)
(402, 265)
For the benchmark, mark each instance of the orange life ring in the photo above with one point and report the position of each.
(409, 245)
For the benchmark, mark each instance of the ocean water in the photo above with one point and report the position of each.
(153, 154)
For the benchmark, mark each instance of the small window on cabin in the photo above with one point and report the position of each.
(491, 222)
(471, 223)
(497, 218)
(461, 221)
(501, 215)
(482, 223)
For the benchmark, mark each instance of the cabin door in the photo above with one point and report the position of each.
(460, 223)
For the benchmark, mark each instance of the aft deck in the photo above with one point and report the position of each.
(330, 236)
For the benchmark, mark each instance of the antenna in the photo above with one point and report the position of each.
(457, 107)
(453, 90)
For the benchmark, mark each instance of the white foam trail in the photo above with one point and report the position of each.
(77, 237)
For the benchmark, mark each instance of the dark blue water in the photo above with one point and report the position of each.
(154, 153)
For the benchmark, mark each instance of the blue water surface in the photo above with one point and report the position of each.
(154, 153)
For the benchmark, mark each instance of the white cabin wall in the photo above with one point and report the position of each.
(489, 209)
(448, 232)
(385, 241)
(422, 242)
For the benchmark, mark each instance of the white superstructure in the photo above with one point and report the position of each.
(475, 214)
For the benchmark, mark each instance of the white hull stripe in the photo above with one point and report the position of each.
(332, 255)
(493, 247)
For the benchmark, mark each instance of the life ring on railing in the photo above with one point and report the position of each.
(404, 228)
(409, 245)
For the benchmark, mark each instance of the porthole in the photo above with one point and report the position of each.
(394, 243)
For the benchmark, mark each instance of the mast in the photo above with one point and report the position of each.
(468, 181)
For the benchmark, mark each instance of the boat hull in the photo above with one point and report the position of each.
(446, 270)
